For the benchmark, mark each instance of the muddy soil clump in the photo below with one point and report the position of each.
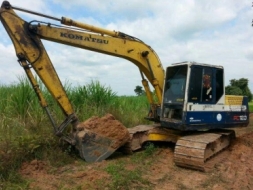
(107, 126)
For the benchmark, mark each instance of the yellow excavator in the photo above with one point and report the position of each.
(191, 110)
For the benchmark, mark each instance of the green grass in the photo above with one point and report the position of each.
(125, 178)
(121, 177)
(26, 133)
(25, 130)
(251, 106)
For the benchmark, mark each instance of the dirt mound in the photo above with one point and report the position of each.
(107, 126)
(43, 176)
(33, 167)
(233, 171)
(237, 168)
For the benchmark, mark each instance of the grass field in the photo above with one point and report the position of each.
(251, 106)
(26, 133)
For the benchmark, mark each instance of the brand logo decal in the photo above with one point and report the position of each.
(194, 120)
(219, 117)
(240, 117)
(84, 38)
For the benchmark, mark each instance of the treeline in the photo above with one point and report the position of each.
(236, 87)
(239, 87)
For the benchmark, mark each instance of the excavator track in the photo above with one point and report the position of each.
(195, 151)
(138, 135)
(141, 134)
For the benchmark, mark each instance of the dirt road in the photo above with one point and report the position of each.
(233, 169)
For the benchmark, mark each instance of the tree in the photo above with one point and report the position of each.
(239, 87)
(139, 91)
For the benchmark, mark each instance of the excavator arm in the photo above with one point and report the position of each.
(26, 38)
(122, 46)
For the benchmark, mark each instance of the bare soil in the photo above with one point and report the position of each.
(233, 170)
(107, 126)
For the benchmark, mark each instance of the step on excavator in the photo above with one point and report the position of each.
(191, 109)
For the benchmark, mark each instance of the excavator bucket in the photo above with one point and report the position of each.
(94, 147)
(98, 138)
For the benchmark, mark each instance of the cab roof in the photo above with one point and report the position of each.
(195, 63)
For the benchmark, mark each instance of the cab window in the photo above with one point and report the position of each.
(206, 84)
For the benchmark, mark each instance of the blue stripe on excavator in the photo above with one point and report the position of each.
(206, 120)
(199, 120)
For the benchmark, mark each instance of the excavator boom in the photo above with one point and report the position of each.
(27, 36)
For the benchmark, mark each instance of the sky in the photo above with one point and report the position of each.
(213, 32)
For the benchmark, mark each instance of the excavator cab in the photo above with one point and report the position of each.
(194, 99)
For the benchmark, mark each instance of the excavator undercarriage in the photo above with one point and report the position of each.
(193, 150)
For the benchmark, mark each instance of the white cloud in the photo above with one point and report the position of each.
(215, 32)
(79, 67)
(9, 67)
